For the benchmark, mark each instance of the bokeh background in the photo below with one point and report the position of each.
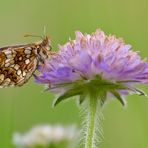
(22, 108)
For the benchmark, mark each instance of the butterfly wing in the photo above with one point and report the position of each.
(17, 64)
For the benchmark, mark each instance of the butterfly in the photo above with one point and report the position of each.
(18, 63)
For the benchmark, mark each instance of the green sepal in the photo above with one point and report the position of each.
(118, 96)
(82, 98)
(107, 85)
(140, 92)
(103, 98)
(98, 86)
(69, 93)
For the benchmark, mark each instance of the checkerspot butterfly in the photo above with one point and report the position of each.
(18, 63)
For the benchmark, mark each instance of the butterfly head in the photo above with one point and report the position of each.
(43, 49)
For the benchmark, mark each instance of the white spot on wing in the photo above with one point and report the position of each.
(7, 64)
(27, 51)
(12, 65)
(1, 77)
(8, 60)
(27, 61)
(24, 73)
(28, 48)
(6, 82)
(27, 56)
(16, 67)
(9, 56)
(8, 52)
(19, 72)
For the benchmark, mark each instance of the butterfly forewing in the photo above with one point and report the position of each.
(18, 63)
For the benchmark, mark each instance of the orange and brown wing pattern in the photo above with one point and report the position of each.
(17, 64)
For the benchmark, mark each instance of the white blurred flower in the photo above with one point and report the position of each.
(44, 135)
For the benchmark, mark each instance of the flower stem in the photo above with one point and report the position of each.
(90, 131)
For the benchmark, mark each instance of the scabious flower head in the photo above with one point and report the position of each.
(96, 63)
(45, 136)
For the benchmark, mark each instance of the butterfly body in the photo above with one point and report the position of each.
(18, 63)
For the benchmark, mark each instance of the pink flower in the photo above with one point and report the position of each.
(99, 63)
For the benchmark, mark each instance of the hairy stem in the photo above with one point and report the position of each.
(91, 123)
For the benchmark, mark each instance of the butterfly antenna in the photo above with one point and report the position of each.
(31, 35)
(44, 31)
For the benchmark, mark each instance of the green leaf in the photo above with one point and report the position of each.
(68, 94)
(117, 95)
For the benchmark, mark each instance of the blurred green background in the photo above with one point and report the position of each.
(22, 108)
